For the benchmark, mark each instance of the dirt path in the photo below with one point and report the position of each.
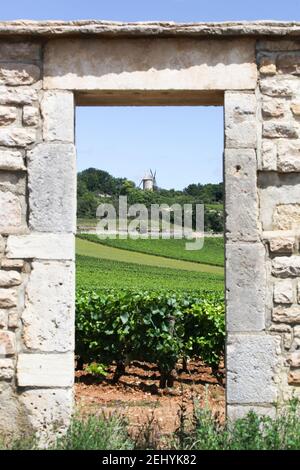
(138, 398)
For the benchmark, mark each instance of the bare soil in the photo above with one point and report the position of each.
(138, 398)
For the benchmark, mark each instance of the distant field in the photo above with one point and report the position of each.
(96, 273)
(212, 252)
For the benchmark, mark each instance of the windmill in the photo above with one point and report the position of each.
(149, 181)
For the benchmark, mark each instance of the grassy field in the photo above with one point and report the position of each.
(97, 273)
(211, 254)
(101, 266)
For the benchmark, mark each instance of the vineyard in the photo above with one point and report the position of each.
(148, 320)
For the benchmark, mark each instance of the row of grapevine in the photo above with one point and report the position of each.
(158, 327)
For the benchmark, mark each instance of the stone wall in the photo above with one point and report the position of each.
(37, 222)
(38, 81)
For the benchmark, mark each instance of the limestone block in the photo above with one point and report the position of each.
(8, 298)
(18, 74)
(282, 245)
(273, 108)
(31, 116)
(275, 45)
(245, 286)
(52, 187)
(17, 137)
(58, 113)
(286, 217)
(11, 160)
(3, 318)
(41, 246)
(267, 65)
(240, 120)
(276, 189)
(7, 343)
(295, 108)
(6, 369)
(150, 64)
(18, 95)
(298, 293)
(269, 156)
(288, 155)
(271, 86)
(8, 114)
(284, 291)
(235, 412)
(27, 51)
(13, 319)
(289, 63)
(10, 212)
(45, 370)
(286, 314)
(10, 278)
(2, 245)
(297, 331)
(48, 317)
(287, 341)
(241, 212)
(294, 359)
(12, 263)
(14, 422)
(286, 266)
(294, 377)
(275, 129)
(251, 363)
(48, 410)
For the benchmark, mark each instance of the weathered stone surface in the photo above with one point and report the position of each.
(18, 95)
(8, 114)
(288, 155)
(241, 212)
(48, 410)
(251, 363)
(284, 291)
(3, 318)
(235, 412)
(10, 278)
(6, 369)
(289, 63)
(276, 45)
(31, 116)
(41, 246)
(8, 298)
(287, 217)
(14, 422)
(48, 317)
(45, 370)
(267, 65)
(12, 263)
(2, 245)
(18, 74)
(282, 244)
(275, 129)
(286, 314)
(294, 359)
(276, 189)
(269, 156)
(245, 286)
(7, 342)
(10, 212)
(295, 108)
(150, 64)
(281, 88)
(294, 377)
(11, 160)
(17, 137)
(273, 108)
(52, 187)
(13, 319)
(58, 113)
(240, 120)
(20, 51)
(286, 266)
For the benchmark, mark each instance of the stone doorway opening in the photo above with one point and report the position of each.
(177, 142)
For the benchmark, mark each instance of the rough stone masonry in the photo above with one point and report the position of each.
(46, 68)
